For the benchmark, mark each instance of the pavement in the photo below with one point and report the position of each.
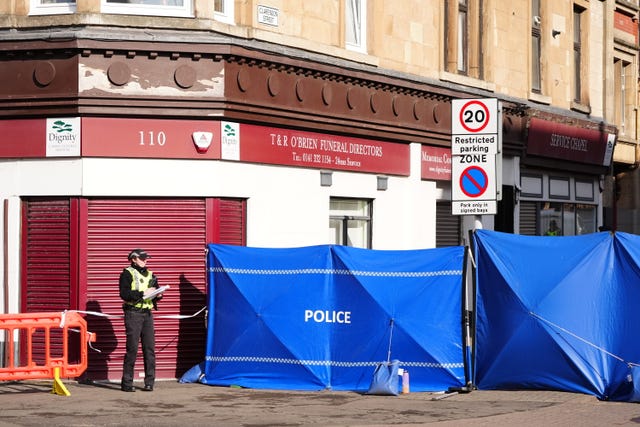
(33, 403)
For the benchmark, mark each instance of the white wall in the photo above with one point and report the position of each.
(42, 177)
(286, 206)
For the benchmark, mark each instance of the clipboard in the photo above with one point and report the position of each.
(151, 293)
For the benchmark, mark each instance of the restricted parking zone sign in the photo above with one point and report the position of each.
(474, 148)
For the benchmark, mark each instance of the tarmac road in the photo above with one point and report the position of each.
(32, 403)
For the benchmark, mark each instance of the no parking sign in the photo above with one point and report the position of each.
(474, 146)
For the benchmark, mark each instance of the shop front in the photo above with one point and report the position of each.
(81, 192)
(561, 178)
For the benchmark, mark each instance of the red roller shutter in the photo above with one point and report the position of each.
(46, 255)
(230, 221)
(174, 232)
(49, 277)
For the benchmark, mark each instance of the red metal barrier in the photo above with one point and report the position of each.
(28, 324)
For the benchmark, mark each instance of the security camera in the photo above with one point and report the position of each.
(537, 20)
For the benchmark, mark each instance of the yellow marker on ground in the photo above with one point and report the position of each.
(58, 387)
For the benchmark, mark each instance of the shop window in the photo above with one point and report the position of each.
(531, 185)
(565, 206)
(560, 219)
(350, 222)
(463, 50)
(585, 190)
(223, 11)
(586, 220)
(52, 7)
(550, 219)
(559, 188)
(536, 47)
(149, 7)
(356, 25)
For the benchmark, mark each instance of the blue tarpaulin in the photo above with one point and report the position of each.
(558, 313)
(323, 317)
(551, 313)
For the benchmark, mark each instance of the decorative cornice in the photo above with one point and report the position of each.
(275, 83)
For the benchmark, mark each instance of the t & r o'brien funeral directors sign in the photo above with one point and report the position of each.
(263, 144)
(474, 148)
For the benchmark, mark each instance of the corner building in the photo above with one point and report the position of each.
(171, 124)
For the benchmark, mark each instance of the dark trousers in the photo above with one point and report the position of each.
(139, 327)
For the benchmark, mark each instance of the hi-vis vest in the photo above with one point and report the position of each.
(140, 283)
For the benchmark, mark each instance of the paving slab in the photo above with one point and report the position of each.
(32, 403)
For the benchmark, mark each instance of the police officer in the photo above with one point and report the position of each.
(553, 230)
(138, 320)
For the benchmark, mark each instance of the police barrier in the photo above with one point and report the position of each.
(47, 335)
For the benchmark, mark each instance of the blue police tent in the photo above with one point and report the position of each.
(323, 317)
(558, 313)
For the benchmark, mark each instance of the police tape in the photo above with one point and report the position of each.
(116, 316)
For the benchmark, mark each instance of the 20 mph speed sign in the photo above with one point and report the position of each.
(474, 116)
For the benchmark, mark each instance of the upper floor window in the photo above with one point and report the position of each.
(536, 47)
(463, 23)
(50, 7)
(223, 11)
(356, 25)
(579, 46)
(462, 36)
(624, 93)
(149, 7)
